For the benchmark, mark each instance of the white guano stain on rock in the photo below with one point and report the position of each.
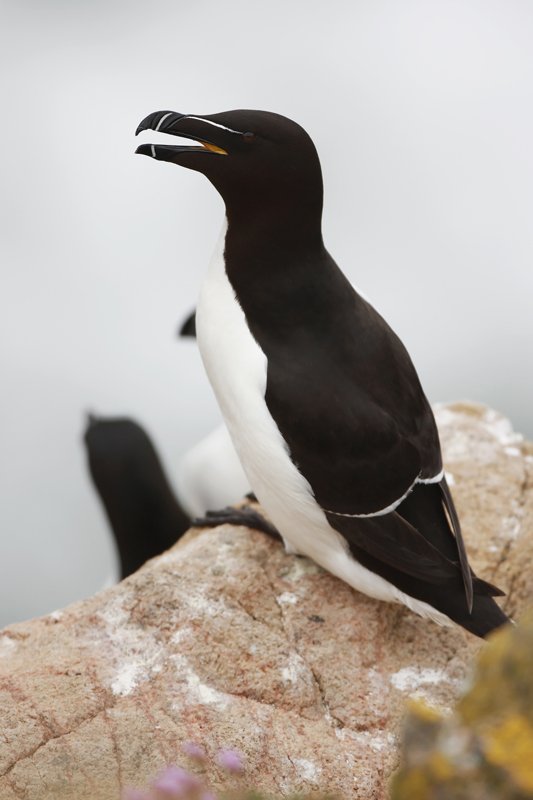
(410, 678)
(287, 598)
(443, 414)
(511, 528)
(301, 567)
(501, 428)
(308, 771)
(202, 606)
(135, 653)
(379, 742)
(7, 645)
(294, 669)
(197, 690)
(126, 680)
(463, 444)
(180, 635)
(513, 451)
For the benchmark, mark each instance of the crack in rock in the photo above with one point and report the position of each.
(63, 734)
(281, 601)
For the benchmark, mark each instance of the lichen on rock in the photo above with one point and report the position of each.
(485, 748)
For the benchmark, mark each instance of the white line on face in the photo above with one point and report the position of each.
(216, 124)
(153, 151)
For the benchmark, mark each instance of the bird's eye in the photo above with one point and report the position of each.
(248, 137)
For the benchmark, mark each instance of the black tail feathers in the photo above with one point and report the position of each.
(485, 588)
(486, 616)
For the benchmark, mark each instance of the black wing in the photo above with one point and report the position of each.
(348, 402)
(363, 437)
(359, 460)
(357, 424)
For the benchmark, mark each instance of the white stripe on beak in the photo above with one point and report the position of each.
(163, 118)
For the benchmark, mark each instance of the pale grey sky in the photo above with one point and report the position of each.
(423, 117)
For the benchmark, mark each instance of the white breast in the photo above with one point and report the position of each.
(237, 369)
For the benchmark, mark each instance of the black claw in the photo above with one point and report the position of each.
(234, 516)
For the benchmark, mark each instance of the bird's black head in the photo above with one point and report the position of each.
(256, 160)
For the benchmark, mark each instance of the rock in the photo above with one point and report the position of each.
(484, 751)
(227, 641)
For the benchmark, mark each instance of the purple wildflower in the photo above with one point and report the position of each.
(231, 760)
(194, 751)
(134, 794)
(177, 781)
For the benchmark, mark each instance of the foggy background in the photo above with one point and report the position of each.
(422, 114)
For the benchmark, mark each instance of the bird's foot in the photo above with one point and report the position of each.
(246, 517)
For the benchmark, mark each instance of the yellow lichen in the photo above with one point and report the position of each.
(485, 749)
(502, 679)
(440, 767)
(423, 711)
(510, 745)
(411, 785)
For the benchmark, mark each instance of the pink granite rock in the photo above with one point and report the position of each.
(228, 642)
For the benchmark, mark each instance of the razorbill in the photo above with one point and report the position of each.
(320, 396)
(144, 515)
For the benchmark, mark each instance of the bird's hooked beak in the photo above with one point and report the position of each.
(212, 137)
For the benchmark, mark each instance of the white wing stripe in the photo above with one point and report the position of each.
(435, 479)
